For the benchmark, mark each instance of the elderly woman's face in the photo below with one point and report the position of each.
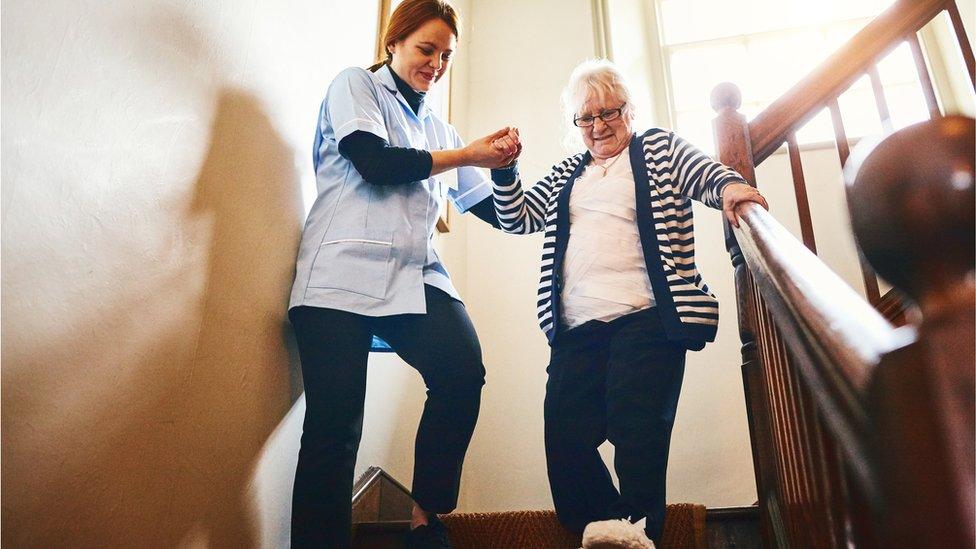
(605, 139)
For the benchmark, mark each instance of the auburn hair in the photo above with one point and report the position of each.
(409, 16)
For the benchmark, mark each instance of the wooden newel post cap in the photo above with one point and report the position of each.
(726, 96)
(912, 199)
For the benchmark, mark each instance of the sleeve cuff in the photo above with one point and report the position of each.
(472, 196)
(360, 124)
(505, 175)
(729, 181)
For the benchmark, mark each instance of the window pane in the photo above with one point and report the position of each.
(817, 130)
(776, 62)
(899, 66)
(907, 105)
(766, 47)
(695, 71)
(684, 21)
(859, 111)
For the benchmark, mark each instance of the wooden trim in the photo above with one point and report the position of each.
(382, 20)
(371, 477)
(378, 496)
(366, 480)
(804, 100)
(602, 43)
(749, 512)
(894, 306)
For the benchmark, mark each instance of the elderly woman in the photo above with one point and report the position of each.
(620, 297)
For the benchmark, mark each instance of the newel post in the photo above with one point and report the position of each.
(735, 150)
(913, 211)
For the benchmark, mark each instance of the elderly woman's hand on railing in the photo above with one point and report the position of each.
(737, 193)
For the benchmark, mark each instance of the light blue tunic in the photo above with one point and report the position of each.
(367, 248)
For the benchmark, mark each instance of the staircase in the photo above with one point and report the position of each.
(381, 517)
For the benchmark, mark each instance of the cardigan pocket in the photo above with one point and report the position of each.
(355, 260)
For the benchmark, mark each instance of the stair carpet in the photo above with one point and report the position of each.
(684, 528)
(382, 506)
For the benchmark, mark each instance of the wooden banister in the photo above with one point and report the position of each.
(862, 432)
(865, 430)
(836, 338)
(769, 129)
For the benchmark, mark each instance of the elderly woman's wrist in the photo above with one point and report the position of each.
(724, 186)
(505, 174)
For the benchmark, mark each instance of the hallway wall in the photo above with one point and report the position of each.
(154, 155)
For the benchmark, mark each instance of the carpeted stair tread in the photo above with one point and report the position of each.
(684, 528)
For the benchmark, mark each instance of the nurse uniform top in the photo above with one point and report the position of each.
(367, 249)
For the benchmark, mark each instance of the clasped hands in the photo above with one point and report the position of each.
(495, 150)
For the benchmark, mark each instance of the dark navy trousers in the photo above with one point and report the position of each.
(616, 381)
(334, 346)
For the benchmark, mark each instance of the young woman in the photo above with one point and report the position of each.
(366, 268)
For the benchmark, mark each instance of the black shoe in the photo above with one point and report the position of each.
(432, 535)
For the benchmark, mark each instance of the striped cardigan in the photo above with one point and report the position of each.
(668, 172)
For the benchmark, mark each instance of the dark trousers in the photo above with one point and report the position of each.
(616, 381)
(334, 345)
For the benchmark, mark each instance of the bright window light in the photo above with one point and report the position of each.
(767, 46)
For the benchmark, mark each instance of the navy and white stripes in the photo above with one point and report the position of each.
(668, 172)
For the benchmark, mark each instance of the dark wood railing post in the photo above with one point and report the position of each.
(733, 145)
(921, 398)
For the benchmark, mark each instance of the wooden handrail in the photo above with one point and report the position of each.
(770, 128)
(852, 334)
(834, 335)
(862, 431)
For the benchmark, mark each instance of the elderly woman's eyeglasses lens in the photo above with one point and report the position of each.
(607, 115)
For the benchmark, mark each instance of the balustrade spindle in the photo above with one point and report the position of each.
(879, 99)
(871, 288)
(923, 77)
(800, 190)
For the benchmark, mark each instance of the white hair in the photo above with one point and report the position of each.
(593, 76)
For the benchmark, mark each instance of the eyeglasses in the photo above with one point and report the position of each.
(610, 114)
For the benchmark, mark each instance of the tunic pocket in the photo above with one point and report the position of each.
(355, 260)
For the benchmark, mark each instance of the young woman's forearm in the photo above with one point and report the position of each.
(448, 160)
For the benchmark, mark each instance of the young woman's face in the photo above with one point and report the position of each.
(425, 55)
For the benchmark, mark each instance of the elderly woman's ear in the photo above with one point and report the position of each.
(737, 193)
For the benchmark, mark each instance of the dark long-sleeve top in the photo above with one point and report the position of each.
(383, 164)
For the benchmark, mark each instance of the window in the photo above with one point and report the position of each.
(764, 47)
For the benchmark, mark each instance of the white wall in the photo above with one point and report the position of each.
(153, 159)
